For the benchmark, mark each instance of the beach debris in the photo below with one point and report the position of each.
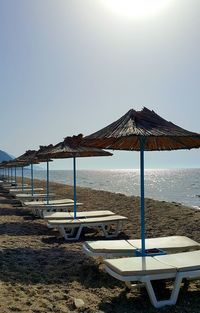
(79, 303)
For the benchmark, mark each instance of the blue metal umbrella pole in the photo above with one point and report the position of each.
(47, 183)
(22, 178)
(32, 183)
(74, 168)
(15, 176)
(8, 174)
(11, 174)
(142, 208)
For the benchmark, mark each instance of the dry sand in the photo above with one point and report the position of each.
(42, 273)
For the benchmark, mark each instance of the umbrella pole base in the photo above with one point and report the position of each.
(150, 252)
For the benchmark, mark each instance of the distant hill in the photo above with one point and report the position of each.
(4, 156)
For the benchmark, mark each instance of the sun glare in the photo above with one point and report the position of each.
(136, 8)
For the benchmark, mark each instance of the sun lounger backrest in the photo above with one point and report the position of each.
(137, 266)
(185, 261)
(170, 242)
(83, 214)
(89, 220)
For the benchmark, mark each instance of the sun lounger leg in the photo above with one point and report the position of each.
(69, 234)
(33, 211)
(174, 295)
(40, 213)
(115, 233)
(65, 233)
(36, 212)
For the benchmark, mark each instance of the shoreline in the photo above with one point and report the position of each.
(94, 199)
(41, 272)
(179, 186)
(194, 207)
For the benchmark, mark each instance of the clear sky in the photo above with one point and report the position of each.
(75, 66)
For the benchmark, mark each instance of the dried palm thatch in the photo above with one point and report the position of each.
(16, 163)
(4, 164)
(42, 153)
(158, 134)
(32, 156)
(27, 158)
(72, 147)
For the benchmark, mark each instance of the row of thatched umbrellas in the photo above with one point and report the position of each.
(136, 130)
(71, 147)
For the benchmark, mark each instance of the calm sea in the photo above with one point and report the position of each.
(174, 185)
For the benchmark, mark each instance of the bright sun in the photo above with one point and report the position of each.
(136, 8)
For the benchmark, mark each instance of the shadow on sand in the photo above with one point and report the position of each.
(87, 234)
(24, 229)
(46, 266)
(14, 211)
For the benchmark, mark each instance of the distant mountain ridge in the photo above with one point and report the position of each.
(4, 156)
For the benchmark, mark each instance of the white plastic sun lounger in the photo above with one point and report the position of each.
(26, 190)
(68, 215)
(60, 207)
(144, 270)
(15, 186)
(71, 229)
(115, 248)
(51, 202)
(25, 196)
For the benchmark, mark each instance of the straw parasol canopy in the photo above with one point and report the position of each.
(42, 153)
(72, 147)
(42, 156)
(143, 131)
(13, 164)
(32, 156)
(4, 164)
(17, 163)
(159, 134)
(28, 157)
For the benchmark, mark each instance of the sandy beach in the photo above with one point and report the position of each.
(42, 273)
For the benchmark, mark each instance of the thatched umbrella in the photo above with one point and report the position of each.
(143, 131)
(3, 166)
(33, 157)
(45, 158)
(15, 163)
(72, 147)
(28, 158)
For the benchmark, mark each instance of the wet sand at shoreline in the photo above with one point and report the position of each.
(41, 272)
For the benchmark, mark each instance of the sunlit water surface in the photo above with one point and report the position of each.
(173, 185)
